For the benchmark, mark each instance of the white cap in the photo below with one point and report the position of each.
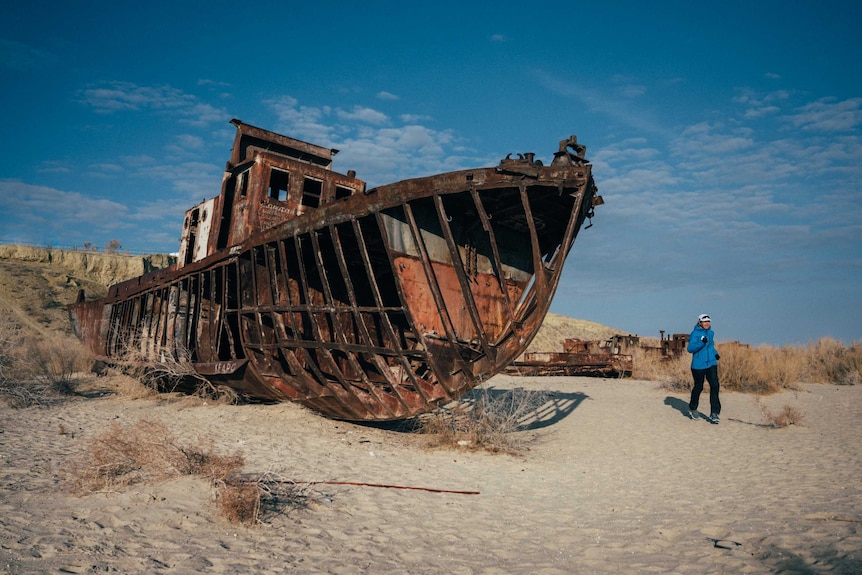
(703, 317)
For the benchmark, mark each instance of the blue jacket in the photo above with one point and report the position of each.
(703, 355)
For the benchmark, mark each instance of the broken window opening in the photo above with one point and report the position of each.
(312, 190)
(278, 184)
(191, 223)
(242, 183)
(343, 192)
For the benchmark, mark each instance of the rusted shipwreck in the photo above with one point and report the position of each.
(300, 283)
(591, 358)
(612, 357)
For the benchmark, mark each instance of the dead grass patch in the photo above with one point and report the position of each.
(147, 451)
(174, 371)
(239, 502)
(762, 369)
(786, 417)
(56, 359)
(127, 386)
(831, 361)
(673, 373)
(38, 370)
(251, 500)
(484, 419)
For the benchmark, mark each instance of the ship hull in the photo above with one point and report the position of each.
(377, 307)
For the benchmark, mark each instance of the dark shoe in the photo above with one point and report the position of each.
(713, 418)
(692, 413)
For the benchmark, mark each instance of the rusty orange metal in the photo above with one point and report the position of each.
(299, 283)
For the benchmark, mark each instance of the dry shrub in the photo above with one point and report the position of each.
(143, 451)
(223, 394)
(829, 361)
(38, 371)
(484, 419)
(763, 369)
(239, 502)
(174, 371)
(249, 500)
(127, 386)
(646, 365)
(786, 417)
(10, 345)
(148, 451)
(57, 359)
(170, 371)
(673, 372)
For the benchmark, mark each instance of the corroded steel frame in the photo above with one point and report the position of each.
(376, 306)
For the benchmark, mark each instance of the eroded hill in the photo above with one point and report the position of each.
(36, 284)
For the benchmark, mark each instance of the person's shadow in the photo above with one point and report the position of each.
(682, 407)
(678, 404)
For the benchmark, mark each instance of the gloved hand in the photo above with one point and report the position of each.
(703, 339)
(717, 357)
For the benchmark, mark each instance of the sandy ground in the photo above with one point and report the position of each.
(616, 480)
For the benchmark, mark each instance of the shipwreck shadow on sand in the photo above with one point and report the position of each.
(533, 409)
(557, 407)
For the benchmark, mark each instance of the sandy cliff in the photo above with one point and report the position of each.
(36, 284)
(104, 268)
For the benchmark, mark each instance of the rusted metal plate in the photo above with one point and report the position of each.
(299, 283)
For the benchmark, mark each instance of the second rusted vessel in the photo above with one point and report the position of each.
(298, 283)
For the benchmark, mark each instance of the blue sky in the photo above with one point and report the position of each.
(726, 137)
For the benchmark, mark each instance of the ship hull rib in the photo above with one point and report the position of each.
(379, 305)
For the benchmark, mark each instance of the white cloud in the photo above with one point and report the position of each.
(304, 122)
(753, 113)
(363, 114)
(213, 83)
(749, 203)
(379, 152)
(114, 97)
(185, 144)
(104, 170)
(384, 95)
(414, 118)
(705, 140)
(53, 167)
(55, 208)
(828, 115)
(41, 214)
(195, 180)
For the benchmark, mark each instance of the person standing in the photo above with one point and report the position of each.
(704, 365)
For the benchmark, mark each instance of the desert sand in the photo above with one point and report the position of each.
(616, 479)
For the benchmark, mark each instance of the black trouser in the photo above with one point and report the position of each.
(711, 375)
